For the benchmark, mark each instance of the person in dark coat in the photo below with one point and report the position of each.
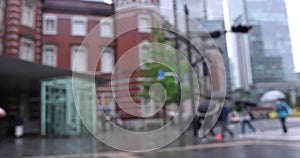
(224, 121)
(199, 118)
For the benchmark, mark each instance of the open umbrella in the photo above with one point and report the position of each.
(208, 108)
(2, 113)
(245, 102)
(272, 96)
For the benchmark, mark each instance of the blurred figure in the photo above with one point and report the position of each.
(224, 119)
(198, 120)
(2, 113)
(246, 120)
(283, 110)
(19, 128)
(197, 123)
(115, 118)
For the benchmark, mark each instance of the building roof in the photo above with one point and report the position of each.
(19, 74)
(78, 6)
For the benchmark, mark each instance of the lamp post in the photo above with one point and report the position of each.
(177, 60)
(188, 43)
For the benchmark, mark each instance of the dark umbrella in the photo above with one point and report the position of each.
(245, 102)
(208, 108)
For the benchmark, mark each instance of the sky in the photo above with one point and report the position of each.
(294, 24)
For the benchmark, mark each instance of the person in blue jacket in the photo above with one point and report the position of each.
(282, 110)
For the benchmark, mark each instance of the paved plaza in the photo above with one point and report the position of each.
(269, 142)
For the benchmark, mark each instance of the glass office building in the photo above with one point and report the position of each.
(269, 41)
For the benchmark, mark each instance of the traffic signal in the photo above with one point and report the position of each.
(215, 34)
(241, 28)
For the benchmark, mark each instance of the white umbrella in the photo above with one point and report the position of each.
(2, 113)
(272, 96)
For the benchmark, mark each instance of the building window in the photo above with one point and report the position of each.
(107, 60)
(122, 2)
(79, 26)
(144, 23)
(50, 55)
(144, 1)
(79, 58)
(28, 13)
(144, 54)
(27, 49)
(106, 28)
(50, 24)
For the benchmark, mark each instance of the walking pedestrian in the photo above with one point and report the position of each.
(246, 120)
(19, 128)
(198, 121)
(282, 109)
(225, 116)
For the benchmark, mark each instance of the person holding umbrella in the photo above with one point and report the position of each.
(281, 107)
(204, 110)
(283, 111)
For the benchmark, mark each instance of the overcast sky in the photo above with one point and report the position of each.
(294, 23)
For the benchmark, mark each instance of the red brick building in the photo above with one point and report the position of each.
(134, 24)
(72, 35)
(2, 12)
(22, 29)
(66, 24)
(21, 38)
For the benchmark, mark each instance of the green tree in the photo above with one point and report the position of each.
(161, 51)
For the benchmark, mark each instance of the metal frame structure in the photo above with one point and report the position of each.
(60, 98)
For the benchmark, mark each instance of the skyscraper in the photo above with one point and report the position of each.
(207, 9)
(268, 44)
(269, 41)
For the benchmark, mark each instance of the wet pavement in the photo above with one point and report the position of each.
(236, 149)
(185, 146)
(251, 149)
(11, 147)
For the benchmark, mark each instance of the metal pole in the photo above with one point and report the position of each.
(177, 57)
(189, 58)
(205, 9)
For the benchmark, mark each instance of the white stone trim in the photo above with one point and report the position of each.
(144, 29)
(50, 17)
(110, 22)
(82, 19)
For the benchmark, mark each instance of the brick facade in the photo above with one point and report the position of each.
(15, 30)
(125, 31)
